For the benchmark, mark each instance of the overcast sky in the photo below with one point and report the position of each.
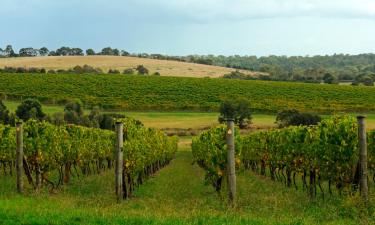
(181, 27)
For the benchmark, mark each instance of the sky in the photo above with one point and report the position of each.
(183, 27)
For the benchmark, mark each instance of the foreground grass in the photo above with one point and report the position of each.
(176, 195)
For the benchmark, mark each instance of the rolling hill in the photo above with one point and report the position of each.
(164, 67)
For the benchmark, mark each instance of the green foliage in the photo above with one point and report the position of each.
(329, 78)
(128, 71)
(327, 152)
(238, 110)
(50, 147)
(193, 94)
(292, 117)
(4, 113)
(210, 152)
(30, 109)
(238, 75)
(90, 51)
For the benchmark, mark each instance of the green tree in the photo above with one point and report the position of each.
(90, 51)
(239, 110)
(329, 78)
(9, 51)
(43, 51)
(73, 112)
(368, 81)
(30, 108)
(4, 113)
(292, 117)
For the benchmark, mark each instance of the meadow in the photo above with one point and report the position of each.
(152, 93)
(164, 67)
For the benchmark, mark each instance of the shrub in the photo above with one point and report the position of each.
(128, 71)
(142, 70)
(113, 71)
(292, 117)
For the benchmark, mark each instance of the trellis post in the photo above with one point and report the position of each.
(363, 183)
(119, 161)
(231, 167)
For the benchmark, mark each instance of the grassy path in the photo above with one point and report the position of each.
(176, 195)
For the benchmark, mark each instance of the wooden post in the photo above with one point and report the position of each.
(231, 167)
(119, 161)
(363, 185)
(19, 156)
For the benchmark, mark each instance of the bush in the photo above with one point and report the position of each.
(30, 109)
(113, 71)
(156, 74)
(238, 75)
(21, 70)
(128, 71)
(142, 70)
(292, 117)
(51, 72)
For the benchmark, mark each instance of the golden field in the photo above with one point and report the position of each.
(164, 67)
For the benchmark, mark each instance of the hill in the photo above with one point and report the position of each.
(164, 67)
(181, 93)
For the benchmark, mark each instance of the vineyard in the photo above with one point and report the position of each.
(176, 93)
(319, 157)
(79, 151)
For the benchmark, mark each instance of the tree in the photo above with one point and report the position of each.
(43, 51)
(52, 53)
(292, 117)
(238, 110)
(107, 51)
(28, 52)
(367, 81)
(73, 112)
(76, 51)
(9, 51)
(90, 51)
(328, 78)
(4, 113)
(63, 51)
(124, 53)
(142, 70)
(116, 52)
(30, 108)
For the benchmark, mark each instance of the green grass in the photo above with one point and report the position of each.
(143, 93)
(160, 120)
(176, 195)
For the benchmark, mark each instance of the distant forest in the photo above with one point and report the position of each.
(358, 69)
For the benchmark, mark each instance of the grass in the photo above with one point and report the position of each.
(164, 67)
(184, 120)
(163, 120)
(176, 195)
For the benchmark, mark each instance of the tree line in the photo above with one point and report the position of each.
(73, 114)
(358, 69)
(8, 51)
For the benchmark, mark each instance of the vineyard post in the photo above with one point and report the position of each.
(119, 161)
(231, 164)
(19, 156)
(363, 185)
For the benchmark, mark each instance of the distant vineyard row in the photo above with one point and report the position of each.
(172, 93)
